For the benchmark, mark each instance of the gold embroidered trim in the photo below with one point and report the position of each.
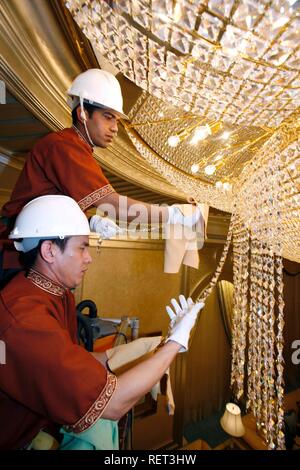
(45, 283)
(96, 410)
(95, 196)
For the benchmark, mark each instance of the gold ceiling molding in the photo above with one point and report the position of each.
(38, 62)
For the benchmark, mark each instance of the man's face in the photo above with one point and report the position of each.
(102, 127)
(70, 265)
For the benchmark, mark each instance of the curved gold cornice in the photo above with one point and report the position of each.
(38, 63)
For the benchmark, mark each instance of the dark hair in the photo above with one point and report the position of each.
(29, 258)
(88, 107)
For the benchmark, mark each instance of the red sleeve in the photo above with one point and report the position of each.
(52, 376)
(74, 170)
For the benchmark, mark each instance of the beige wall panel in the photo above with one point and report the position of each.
(131, 282)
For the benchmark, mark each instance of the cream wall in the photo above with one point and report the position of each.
(126, 278)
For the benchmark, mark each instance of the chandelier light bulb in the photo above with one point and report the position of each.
(173, 140)
(209, 170)
(200, 134)
(227, 186)
(225, 135)
(195, 168)
(219, 185)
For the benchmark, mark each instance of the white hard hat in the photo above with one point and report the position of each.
(98, 88)
(48, 217)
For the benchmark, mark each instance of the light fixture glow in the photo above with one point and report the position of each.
(195, 168)
(210, 169)
(201, 133)
(225, 135)
(227, 186)
(173, 140)
(231, 421)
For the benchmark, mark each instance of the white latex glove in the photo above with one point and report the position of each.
(177, 217)
(183, 318)
(104, 226)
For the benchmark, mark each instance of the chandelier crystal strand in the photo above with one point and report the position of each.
(279, 429)
(268, 349)
(259, 336)
(241, 280)
(271, 352)
(214, 280)
(278, 332)
(274, 207)
(235, 311)
(254, 332)
(262, 345)
(261, 202)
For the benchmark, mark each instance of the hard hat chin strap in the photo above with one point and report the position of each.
(88, 135)
(83, 116)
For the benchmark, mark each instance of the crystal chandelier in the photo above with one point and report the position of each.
(219, 118)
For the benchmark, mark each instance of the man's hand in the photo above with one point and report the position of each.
(183, 318)
(188, 219)
(105, 227)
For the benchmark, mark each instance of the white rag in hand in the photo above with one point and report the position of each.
(182, 243)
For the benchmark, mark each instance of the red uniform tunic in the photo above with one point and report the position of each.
(48, 378)
(60, 163)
